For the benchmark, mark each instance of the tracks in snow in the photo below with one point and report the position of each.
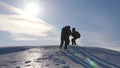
(75, 58)
(101, 63)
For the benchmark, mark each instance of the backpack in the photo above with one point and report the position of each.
(77, 34)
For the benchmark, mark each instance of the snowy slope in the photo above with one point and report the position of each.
(53, 57)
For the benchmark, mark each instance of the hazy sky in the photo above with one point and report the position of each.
(98, 22)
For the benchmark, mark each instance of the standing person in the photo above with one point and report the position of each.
(65, 33)
(75, 35)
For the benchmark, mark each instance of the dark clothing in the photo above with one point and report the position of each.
(75, 37)
(66, 32)
(73, 41)
(76, 34)
(64, 41)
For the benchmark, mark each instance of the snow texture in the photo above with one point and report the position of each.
(53, 57)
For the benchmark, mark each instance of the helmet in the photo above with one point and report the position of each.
(73, 29)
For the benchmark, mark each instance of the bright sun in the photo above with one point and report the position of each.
(32, 8)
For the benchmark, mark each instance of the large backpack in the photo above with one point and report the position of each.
(77, 34)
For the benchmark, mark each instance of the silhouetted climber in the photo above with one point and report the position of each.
(65, 33)
(75, 35)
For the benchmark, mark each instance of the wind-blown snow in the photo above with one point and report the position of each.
(53, 57)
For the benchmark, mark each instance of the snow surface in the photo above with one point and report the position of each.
(53, 57)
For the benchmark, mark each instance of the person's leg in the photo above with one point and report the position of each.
(65, 47)
(61, 44)
(75, 41)
(67, 41)
(72, 41)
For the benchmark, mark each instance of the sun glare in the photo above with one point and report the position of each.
(32, 8)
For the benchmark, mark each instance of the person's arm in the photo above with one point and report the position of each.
(70, 33)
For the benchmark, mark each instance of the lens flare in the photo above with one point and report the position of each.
(92, 63)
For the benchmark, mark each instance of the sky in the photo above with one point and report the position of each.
(96, 20)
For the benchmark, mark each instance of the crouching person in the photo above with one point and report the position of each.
(75, 34)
